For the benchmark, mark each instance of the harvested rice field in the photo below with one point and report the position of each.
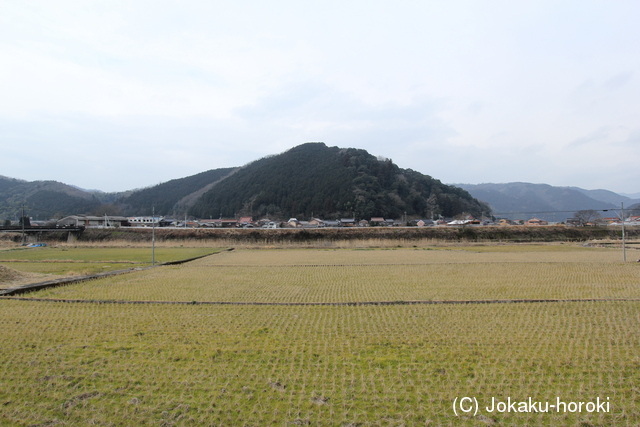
(350, 276)
(19, 266)
(110, 359)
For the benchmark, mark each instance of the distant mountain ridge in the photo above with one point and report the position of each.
(521, 200)
(608, 196)
(635, 196)
(309, 180)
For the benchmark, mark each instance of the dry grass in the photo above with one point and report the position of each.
(49, 263)
(10, 277)
(312, 275)
(96, 364)
(394, 365)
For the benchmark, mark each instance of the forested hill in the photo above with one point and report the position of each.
(330, 182)
(42, 199)
(309, 180)
(172, 197)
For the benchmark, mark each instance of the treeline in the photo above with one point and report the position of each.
(521, 234)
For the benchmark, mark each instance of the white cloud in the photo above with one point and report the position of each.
(462, 91)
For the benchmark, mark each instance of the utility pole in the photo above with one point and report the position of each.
(22, 221)
(153, 236)
(624, 247)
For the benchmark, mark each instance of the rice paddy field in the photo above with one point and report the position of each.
(333, 337)
(45, 263)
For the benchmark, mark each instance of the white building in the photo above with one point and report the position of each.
(144, 221)
(91, 221)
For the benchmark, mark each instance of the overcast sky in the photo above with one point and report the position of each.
(116, 95)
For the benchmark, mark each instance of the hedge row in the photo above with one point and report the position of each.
(466, 234)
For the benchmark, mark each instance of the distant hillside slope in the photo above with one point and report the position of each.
(526, 200)
(330, 182)
(607, 196)
(171, 197)
(42, 199)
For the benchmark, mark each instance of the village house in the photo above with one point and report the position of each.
(91, 221)
(348, 222)
(245, 221)
(536, 221)
(610, 220)
(148, 221)
(313, 223)
(572, 222)
(221, 222)
(270, 224)
(332, 223)
(316, 222)
(376, 221)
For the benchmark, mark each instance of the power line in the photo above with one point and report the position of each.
(553, 212)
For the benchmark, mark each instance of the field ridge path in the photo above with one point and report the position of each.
(349, 303)
(75, 279)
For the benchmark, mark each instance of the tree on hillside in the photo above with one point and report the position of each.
(432, 206)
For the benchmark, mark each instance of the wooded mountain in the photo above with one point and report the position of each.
(309, 180)
(43, 199)
(521, 200)
(173, 197)
(330, 182)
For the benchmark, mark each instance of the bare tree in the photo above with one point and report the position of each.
(586, 216)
